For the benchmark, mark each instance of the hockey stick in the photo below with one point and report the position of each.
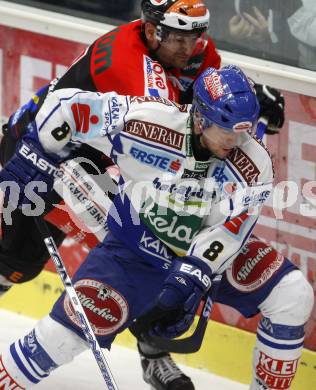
(193, 343)
(85, 324)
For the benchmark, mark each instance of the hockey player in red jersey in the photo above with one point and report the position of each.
(151, 56)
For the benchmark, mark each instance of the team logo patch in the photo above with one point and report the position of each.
(105, 307)
(214, 85)
(82, 117)
(254, 266)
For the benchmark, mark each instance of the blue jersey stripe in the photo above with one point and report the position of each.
(21, 366)
(24, 351)
(278, 346)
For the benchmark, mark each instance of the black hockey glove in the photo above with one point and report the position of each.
(271, 107)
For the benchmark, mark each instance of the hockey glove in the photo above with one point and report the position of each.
(271, 107)
(29, 163)
(188, 281)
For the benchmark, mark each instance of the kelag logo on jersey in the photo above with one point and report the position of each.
(176, 230)
(162, 161)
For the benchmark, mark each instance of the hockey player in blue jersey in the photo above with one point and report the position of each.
(175, 223)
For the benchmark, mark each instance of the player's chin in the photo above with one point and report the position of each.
(180, 62)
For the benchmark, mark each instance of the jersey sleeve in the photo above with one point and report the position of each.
(87, 117)
(233, 216)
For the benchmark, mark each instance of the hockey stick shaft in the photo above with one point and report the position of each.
(70, 290)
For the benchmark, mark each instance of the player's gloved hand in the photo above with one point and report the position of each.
(188, 281)
(271, 107)
(29, 163)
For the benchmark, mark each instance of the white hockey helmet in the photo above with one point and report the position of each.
(181, 15)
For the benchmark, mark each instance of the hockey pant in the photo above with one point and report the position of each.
(115, 287)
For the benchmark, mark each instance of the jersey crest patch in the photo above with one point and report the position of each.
(106, 309)
(254, 266)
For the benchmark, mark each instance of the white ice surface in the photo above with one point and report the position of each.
(83, 372)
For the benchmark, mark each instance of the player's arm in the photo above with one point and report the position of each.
(92, 118)
(272, 106)
(232, 218)
(227, 228)
(68, 114)
(218, 245)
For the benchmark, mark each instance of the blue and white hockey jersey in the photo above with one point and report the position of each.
(207, 209)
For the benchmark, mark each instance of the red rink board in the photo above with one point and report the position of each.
(29, 60)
